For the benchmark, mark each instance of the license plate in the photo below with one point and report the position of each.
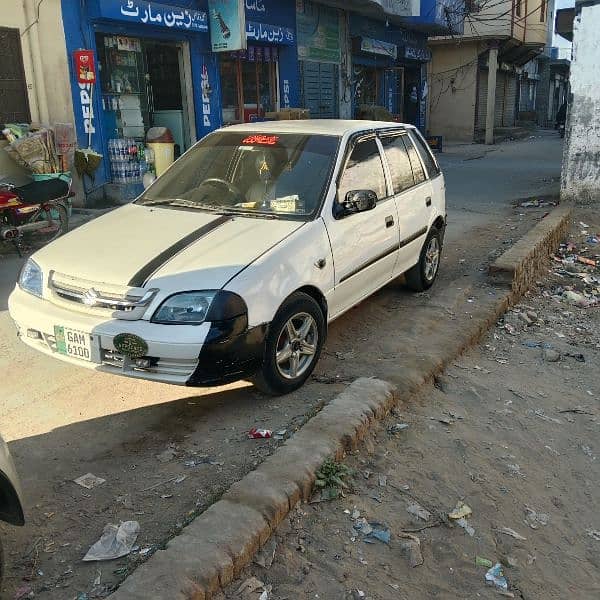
(71, 342)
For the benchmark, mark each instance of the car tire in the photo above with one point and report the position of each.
(1, 566)
(423, 275)
(293, 346)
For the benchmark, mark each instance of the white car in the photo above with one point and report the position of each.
(231, 265)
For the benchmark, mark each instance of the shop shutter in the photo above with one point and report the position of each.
(14, 103)
(500, 91)
(510, 103)
(320, 89)
(481, 100)
(506, 99)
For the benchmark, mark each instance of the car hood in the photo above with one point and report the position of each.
(163, 247)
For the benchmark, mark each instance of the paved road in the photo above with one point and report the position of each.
(63, 422)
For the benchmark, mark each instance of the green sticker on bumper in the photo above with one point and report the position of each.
(61, 344)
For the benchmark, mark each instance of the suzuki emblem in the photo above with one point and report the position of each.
(90, 298)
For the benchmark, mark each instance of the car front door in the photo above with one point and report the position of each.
(364, 244)
(413, 194)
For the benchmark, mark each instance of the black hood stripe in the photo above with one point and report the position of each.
(140, 278)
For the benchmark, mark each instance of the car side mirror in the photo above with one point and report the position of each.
(357, 201)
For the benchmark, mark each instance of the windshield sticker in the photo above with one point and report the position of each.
(261, 140)
(287, 204)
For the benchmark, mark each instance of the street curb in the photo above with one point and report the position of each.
(518, 267)
(213, 549)
(217, 545)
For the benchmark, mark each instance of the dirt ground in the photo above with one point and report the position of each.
(204, 433)
(510, 429)
(66, 422)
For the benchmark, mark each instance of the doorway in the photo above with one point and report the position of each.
(412, 84)
(249, 84)
(319, 91)
(145, 83)
(167, 98)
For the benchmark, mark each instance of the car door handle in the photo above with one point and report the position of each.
(428, 201)
(389, 221)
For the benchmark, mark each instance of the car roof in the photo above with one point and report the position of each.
(337, 127)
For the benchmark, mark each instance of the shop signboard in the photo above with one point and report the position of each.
(417, 53)
(154, 13)
(400, 8)
(274, 34)
(379, 47)
(318, 32)
(227, 25)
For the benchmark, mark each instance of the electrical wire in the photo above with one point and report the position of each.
(37, 19)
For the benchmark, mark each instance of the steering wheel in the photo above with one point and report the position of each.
(231, 189)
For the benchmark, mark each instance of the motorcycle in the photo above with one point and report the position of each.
(11, 506)
(34, 214)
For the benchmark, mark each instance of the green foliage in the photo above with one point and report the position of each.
(330, 479)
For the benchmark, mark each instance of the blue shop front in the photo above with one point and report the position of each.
(155, 67)
(389, 69)
(263, 77)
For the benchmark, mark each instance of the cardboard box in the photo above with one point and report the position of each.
(289, 114)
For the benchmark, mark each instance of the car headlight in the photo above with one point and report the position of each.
(189, 308)
(31, 278)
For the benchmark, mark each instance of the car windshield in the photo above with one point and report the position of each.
(281, 175)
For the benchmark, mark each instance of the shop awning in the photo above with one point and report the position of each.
(564, 23)
(392, 10)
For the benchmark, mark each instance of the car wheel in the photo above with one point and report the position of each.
(1, 565)
(293, 346)
(423, 274)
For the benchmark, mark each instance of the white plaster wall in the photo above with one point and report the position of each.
(52, 73)
(581, 161)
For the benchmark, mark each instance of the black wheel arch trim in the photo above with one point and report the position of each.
(231, 351)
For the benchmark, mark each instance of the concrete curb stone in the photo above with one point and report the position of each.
(216, 546)
(520, 264)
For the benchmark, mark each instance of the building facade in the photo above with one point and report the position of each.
(580, 181)
(475, 76)
(544, 80)
(553, 84)
(34, 74)
(174, 64)
(157, 67)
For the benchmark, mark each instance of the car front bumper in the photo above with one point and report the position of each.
(180, 354)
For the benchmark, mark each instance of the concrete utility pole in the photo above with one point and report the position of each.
(37, 64)
(491, 94)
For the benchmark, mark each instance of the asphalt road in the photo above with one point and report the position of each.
(62, 422)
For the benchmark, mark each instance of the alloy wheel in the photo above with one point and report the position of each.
(296, 346)
(432, 258)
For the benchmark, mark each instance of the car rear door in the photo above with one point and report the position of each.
(364, 244)
(432, 168)
(413, 196)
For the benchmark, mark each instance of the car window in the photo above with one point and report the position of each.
(279, 174)
(364, 171)
(430, 163)
(399, 163)
(417, 167)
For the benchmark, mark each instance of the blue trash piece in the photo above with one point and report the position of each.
(380, 532)
(496, 577)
